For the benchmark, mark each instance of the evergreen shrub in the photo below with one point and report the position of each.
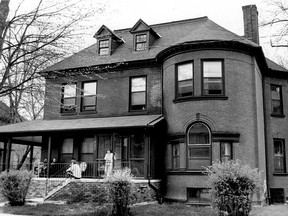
(232, 186)
(14, 185)
(119, 185)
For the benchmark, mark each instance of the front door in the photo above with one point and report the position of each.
(104, 143)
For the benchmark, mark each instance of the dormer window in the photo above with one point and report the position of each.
(143, 36)
(108, 41)
(141, 42)
(104, 47)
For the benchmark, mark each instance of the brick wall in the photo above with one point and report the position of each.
(89, 189)
(112, 91)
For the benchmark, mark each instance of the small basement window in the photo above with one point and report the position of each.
(277, 195)
(198, 195)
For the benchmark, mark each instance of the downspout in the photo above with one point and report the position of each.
(265, 137)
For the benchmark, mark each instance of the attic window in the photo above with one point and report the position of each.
(104, 47)
(141, 42)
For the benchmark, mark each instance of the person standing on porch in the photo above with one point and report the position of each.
(109, 159)
(74, 170)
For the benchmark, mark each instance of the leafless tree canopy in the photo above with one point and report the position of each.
(276, 22)
(31, 41)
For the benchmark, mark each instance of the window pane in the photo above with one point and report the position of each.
(104, 43)
(199, 152)
(137, 146)
(69, 90)
(138, 84)
(212, 86)
(275, 92)
(138, 98)
(103, 51)
(137, 168)
(212, 69)
(67, 146)
(279, 156)
(89, 101)
(89, 88)
(276, 107)
(69, 101)
(141, 38)
(199, 134)
(87, 145)
(185, 88)
(185, 71)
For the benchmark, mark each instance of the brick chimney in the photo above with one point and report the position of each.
(251, 29)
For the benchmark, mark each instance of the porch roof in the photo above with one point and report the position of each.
(44, 126)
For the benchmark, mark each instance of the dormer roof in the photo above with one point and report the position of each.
(105, 32)
(141, 26)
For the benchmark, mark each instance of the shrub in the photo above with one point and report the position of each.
(119, 185)
(14, 185)
(232, 187)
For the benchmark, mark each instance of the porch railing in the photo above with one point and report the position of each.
(58, 171)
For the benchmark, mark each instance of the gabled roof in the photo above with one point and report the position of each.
(142, 26)
(104, 31)
(274, 66)
(172, 33)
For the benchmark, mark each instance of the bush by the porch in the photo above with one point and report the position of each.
(232, 186)
(119, 185)
(14, 185)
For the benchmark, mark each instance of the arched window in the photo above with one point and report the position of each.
(198, 146)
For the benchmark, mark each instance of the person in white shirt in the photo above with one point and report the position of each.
(74, 170)
(109, 159)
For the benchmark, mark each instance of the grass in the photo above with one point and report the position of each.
(89, 209)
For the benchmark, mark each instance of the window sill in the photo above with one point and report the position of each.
(179, 100)
(277, 115)
(135, 112)
(180, 172)
(68, 114)
(88, 112)
(280, 174)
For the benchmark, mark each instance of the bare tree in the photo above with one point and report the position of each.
(29, 42)
(33, 40)
(275, 20)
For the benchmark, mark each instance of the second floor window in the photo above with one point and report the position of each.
(279, 156)
(68, 98)
(104, 47)
(212, 77)
(184, 83)
(141, 42)
(138, 93)
(276, 100)
(89, 96)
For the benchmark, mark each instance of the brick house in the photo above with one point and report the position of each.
(168, 99)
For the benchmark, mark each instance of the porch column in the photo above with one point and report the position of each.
(8, 153)
(31, 157)
(4, 156)
(49, 157)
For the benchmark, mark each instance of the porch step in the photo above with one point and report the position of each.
(36, 188)
(56, 189)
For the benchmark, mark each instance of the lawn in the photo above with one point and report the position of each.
(89, 209)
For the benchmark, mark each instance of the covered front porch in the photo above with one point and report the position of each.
(136, 141)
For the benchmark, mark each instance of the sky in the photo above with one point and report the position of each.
(227, 13)
(119, 14)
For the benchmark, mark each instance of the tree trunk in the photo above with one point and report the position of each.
(4, 10)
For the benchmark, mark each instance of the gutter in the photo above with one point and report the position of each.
(265, 137)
